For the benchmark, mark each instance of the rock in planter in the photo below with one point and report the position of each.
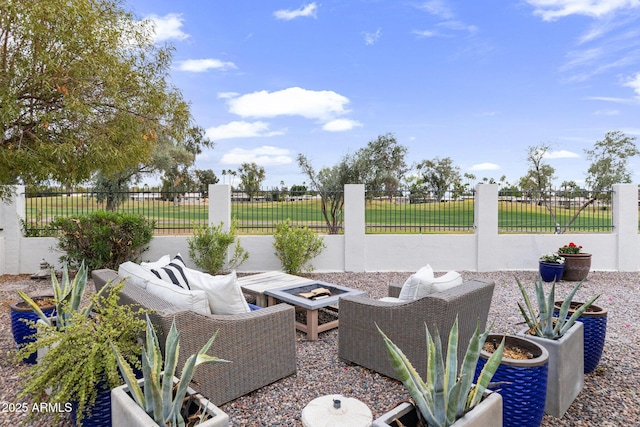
(566, 368)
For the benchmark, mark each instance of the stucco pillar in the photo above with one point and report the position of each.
(486, 227)
(625, 225)
(11, 212)
(354, 228)
(220, 205)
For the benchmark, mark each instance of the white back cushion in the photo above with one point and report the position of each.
(223, 292)
(409, 288)
(164, 260)
(192, 300)
(447, 281)
(425, 278)
(135, 273)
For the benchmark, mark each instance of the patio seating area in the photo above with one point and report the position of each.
(609, 397)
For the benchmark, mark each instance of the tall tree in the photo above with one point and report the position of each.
(540, 174)
(381, 165)
(251, 178)
(438, 175)
(329, 183)
(610, 161)
(82, 89)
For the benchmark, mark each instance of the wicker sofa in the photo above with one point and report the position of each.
(360, 342)
(259, 344)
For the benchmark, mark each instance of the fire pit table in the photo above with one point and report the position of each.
(311, 297)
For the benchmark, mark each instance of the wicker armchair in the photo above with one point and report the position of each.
(361, 343)
(259, 344)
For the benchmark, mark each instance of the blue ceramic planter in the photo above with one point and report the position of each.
(595, 331)
(23, 332)
(551, 272)
(524, 387)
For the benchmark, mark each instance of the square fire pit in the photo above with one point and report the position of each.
(291, 294)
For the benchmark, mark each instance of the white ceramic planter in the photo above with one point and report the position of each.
(126, 412)
(566, 368)
(487, 414)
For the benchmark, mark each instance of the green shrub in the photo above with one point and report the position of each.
(208, 248)
(296, 246)
(103, 239)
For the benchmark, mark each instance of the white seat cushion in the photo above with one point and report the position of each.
(194, 300)
(223, 291)
(392, 299)
(136, 274)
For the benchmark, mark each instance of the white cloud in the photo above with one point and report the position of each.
(634, 83)
(201, 65)
(372, 38)
(168, 27)
(241, 129)
(485, 167)
(322, 105)
(607, 113)
(438, 8)
(227, 95)
(561, 154)
(264, 156)
(550, 10)
(341, 125)
(425, 33)
(302, 11)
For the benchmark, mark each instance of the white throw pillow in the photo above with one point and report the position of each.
(182, 298)
(164, 260)
(425, 277)
(136, 274)
(447, 281)
(409, 288)
(224, 292)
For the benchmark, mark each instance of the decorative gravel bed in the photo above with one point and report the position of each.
(609, 397)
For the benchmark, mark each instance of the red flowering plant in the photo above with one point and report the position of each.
(571, 248)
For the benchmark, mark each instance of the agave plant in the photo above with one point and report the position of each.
(159, 399)
(67, 295)
(543, 323)
(446, 395)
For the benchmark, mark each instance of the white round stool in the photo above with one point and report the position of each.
(335, 410)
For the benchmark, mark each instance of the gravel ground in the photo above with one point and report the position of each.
(609, 397)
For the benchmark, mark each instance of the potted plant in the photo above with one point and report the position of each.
(594, 321)
(551, 267)
(447, 398)
(23, 316)
(79, 367)
(521, 378)
(563, 338)
(159, 398)
(576, 263)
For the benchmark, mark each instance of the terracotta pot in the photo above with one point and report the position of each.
(576, 266)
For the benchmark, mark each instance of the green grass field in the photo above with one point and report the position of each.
(381, 216)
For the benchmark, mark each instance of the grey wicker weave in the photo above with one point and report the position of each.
(259, 344)
(361, 343)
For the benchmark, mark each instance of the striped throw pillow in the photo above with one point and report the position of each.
(174, 272)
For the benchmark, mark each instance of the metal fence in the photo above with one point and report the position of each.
(173, 212)
(260, 212)
(555, 211)
(419, 213)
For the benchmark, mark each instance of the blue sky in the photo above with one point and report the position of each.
(477, 81)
